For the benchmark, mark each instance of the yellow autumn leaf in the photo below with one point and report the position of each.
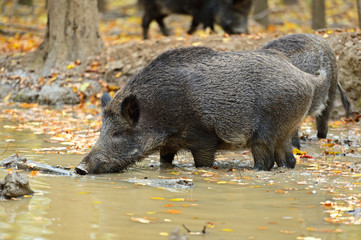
(7, 98)
(70, 66)
(157, 198)
(227, 230)
(84, 86)
(221, 182)
(177, 199)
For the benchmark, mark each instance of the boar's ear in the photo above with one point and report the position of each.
(105, 99)
(130, 110)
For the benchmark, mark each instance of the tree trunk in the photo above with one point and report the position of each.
(359, 12)
(102, 6)
(260, 13)
(72, 34)
(318, 14)
(290, 2)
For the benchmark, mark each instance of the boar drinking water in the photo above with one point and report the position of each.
(202, 100)
(231, 15)
(310, 53)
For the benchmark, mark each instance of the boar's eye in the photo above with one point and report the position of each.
(117, 134)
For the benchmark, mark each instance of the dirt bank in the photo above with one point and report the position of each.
(119, 63)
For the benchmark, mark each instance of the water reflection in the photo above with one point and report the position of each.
(281, 204)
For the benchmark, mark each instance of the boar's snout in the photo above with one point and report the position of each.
(81, 170)
(97, 162)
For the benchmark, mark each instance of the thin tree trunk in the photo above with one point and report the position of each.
(318, 14)
(260, 13)
(290, 2)
(359, 12)
(72, 34)
(102, 6)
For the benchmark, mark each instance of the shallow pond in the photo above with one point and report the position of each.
(233, 201)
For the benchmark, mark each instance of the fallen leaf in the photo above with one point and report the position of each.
(174, 211)
(177, 199)
(157, 198)
(227, 230)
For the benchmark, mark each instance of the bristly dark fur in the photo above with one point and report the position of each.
(232, 16)
(310, 53)
(202, 100)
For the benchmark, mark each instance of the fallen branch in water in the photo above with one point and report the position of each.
(16, 161)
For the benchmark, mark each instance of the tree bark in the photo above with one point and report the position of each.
(260, 13)
(318, 14)
(72, 34)
(290, 2)
(359, 12)
(102, 6)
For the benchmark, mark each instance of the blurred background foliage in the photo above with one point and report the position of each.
(23, 22)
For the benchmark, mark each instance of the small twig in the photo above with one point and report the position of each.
(22, 27)
(195, 233)
(7, 146)
(239, 172)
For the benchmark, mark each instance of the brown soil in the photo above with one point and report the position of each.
(133, 56)
(118, 63)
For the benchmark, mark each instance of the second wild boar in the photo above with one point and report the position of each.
(311, 53)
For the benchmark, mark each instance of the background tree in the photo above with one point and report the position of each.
(318, 14)
(260, 13)
(102, 6)
(359, 12)
(72, 34)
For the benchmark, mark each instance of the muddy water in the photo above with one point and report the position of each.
(234, 204)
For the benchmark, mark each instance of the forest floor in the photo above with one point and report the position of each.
(78, 81)
(126, 53)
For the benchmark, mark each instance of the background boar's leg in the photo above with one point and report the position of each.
(296, 140)
(194, 25)
(162, 26)
(322, 123)
(145, 25)
(167, 155)
(322, 120)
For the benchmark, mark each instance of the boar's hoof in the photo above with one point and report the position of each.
(321, 135)
(80, 170)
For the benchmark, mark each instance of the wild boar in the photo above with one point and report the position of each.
(310, 53)
(203, 100)
(231, 15)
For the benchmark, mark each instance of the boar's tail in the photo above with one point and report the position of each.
(345, 102)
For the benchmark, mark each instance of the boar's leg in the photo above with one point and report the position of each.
(145, 25)
(322, 123)
(194, 25)
(263, 153)
(163, 28)
(204, 157)
(322, 120)
(147, 19)
(284, 157)
(167, 155)
(296, 140)
(203, 146)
